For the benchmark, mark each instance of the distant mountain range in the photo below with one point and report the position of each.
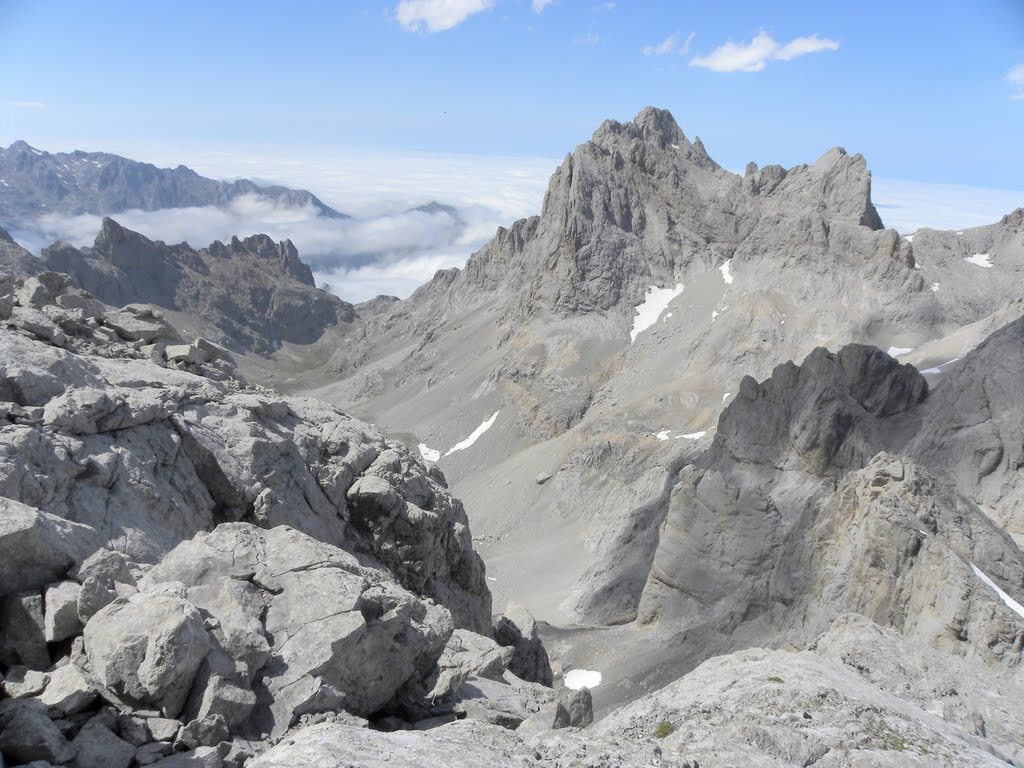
(34, 182)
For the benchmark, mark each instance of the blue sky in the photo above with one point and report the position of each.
(920, 88)
(376, 106)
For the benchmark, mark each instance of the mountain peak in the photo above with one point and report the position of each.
(659, 124)
(23, 146)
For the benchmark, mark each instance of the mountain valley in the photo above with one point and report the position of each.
(722, 447)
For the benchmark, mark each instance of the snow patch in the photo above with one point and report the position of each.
(656, 301)
(666, 317)
(938, 368)
(1008, 601)
(980, 259)
(897, 351)
(909, 238)
(693, 435)
(464, 444)
(935, 287)
(428, 453)
(581, 678)
(714, 314)
(726, 396)
(663, 435)
(724, 269)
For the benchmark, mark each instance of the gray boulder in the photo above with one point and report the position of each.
(315, 643)
(22, 634)
(69, 691)
(61, 619)
(21, 682)
(148, 648)
(27, 734)
(517, 629)
(208, 732)
(104, 576)
(97, 747)
(37, 548)
(468, 654)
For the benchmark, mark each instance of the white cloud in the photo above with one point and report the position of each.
(539, 5)
(753, 56)
(437, 15)
(669, 45)
(1016, 79)
(590, 38)
(26, 105)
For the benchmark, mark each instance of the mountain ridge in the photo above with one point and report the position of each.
(34, 182)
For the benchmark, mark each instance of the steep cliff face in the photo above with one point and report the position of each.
(797, 513)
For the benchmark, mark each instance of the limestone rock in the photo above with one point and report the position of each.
(148, 647)
(15, 260)
(69, 691)
(97, 747)
(27, 734)
(153, 752)
(22, 637)
(517, 629)
(104, 576)
(37, 548)
(973, 427)
(316, 640)
(208, 732)
(422, 534)
(61, 612)
(22, 682)
(133, 730)
(163, 728)
(465, 655)
(252, 293)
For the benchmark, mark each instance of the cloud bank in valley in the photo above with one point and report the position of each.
(388, 247)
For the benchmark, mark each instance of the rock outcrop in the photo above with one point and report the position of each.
(252, 294)
(187, 560)
(15, 261)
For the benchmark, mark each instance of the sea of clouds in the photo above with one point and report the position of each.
(387, 246)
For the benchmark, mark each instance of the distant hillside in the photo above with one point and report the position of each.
(34, 182)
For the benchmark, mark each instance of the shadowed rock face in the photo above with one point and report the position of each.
(972, 427)
(257, 293)
(101, 183)
(796, 513)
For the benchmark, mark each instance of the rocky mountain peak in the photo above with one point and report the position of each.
(283, 252)
(823, 410)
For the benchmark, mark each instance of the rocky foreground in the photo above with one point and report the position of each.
(198, 572)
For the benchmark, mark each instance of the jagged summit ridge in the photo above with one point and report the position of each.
(640, 204)
(252, 293)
